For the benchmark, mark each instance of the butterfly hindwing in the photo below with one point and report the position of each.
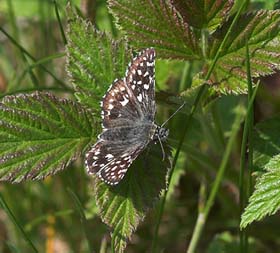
(108, 163)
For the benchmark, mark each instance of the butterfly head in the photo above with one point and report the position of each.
(161, 134)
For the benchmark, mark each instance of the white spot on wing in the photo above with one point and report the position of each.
(139, 97)
(109, 156)
(124, 102)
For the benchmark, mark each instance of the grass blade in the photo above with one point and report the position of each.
(80, 209)
(60, 82)
(59, 22)
(6, 208)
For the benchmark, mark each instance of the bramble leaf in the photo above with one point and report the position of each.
(122, 207)
(266, 141)
(203, 13)
(94, 60)
(261, 30)
(41, 134)
(157, 25)
(265, 200)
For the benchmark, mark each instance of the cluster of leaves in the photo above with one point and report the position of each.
(175, 31)
(41, 134)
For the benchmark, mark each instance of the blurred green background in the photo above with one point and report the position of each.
(49, 211)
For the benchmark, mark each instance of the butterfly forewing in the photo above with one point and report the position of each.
(118, 108)
(140, 77)
(128, 110)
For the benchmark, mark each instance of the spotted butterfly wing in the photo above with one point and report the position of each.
(140, 77)
(128, 112)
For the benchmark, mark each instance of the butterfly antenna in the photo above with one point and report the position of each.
(173, 114)
(162, 149)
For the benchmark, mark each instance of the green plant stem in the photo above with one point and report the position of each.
(103, 247)
(38, 64)
(246, 144)
(113, 243)
(38, 221)
(204, 39)
(185, 130)
(218, 127)
(22, 49)
(186, 76)
(59, 22)
(187, 125)
(203, 214)
(16, 36)
(83, 217)
(12, 19)
(16, 223)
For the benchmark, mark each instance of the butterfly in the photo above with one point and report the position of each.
(128, 121)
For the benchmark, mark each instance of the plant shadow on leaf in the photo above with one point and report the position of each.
(266, 141)
(123, 206)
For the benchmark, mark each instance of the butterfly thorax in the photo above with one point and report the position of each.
(160, 133)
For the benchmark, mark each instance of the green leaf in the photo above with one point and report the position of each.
(157, 25)
(266, 141)
(261, 29)
(122, 207)
(94, 60)
(167, 71)
(203, 13)
(189, 96)
(40, 135)
(265, 200)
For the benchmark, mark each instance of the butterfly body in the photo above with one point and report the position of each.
(128, 113)
(125, 134)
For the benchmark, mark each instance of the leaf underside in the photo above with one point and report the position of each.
(122, 207)
(40, 134)
(261, 29)
(203, 13)
(266, 141)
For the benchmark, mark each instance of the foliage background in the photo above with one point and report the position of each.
(48, 210)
